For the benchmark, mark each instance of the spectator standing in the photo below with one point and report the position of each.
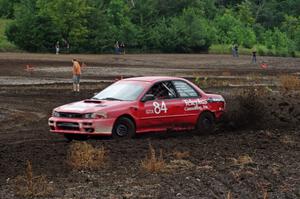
(57, 47)
(233, 50)
(236, 48)
(122, 48)
(76, 75)
(117, 48)
(66, 44)
(254, 56)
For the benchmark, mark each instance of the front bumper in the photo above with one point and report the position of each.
(81, 126)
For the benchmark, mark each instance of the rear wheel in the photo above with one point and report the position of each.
(123, 128)
(206, 123)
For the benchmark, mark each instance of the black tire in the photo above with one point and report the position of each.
(71, 137)
(123, 128)
(206, 123)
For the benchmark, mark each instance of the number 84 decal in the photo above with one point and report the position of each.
(158, 108)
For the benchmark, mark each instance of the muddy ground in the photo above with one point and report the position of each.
(264, 128)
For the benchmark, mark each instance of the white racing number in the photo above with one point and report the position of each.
(158, 108)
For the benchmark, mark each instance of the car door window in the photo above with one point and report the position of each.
(163, 90)
(184, 90)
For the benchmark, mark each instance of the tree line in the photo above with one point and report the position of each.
(93, 26)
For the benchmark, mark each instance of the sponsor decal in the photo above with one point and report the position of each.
(195, 104)
(150, 111)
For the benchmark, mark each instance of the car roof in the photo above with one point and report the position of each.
(153, 78)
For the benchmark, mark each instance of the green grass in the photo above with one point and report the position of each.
(226, 49)
(5, 45)
(260, 49)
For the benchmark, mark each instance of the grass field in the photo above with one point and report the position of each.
(261, 50)
(5, 45)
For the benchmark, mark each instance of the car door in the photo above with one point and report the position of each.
(160, 113)
(191, 103)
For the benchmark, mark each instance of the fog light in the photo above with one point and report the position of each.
(89, 130)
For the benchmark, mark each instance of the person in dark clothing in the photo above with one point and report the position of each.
(233, 51)
(236, 48)
(254, 56)
(122, 48)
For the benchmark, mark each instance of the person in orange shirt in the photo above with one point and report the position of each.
(76, 75)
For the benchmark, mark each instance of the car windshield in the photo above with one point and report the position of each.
(123, 91)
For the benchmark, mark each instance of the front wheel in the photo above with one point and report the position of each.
(206, 123)
(123, 128)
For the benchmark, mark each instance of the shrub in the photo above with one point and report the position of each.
(289, 82)
(262, 50)
(5, 45)
(32, 186)
(82, 155)
(220, 49)
(153, 163)
(181, 155)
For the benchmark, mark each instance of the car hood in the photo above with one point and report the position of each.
(90, 106)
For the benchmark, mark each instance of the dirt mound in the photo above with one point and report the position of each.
(253, 109)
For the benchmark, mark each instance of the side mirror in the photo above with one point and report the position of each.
(148, 97)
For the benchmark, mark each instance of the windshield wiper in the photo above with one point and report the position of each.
(111, 98)
(95, 98)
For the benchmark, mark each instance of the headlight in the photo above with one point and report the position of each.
(89, 116)
(95, 115)
(55, 114)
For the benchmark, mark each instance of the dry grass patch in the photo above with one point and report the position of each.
(288, 140)
(254, 77)
(179, 165)
(205, 167)
(28, 185)
(181, 155)
(153, 163)
(206, 82)
(265, 195)
(243, 160)
(82, 155)
(226, 73)
(229, 195)
(289, 82)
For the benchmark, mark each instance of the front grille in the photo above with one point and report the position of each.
(71, 126)
(70, 115)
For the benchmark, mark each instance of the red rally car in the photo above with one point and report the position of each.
(138, 105)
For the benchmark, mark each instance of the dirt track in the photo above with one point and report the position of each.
(26, 102)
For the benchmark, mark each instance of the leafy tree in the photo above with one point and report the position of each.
(278, 41)
(30, 31)
(159, 25)
(7, 8)
(70, 19)
(186, 33)
(232, 30)
(291, 26)
(245, 13)
(99, 36)
(121, 27)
